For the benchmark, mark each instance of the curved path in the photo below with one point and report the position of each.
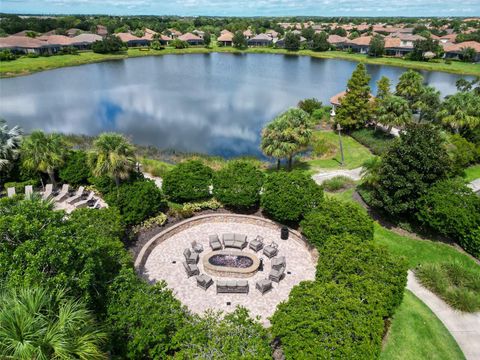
(326, 174)
(464, 327)
(475, 185)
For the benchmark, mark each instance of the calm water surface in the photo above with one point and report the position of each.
(209, 103)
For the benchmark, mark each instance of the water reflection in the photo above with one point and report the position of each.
(210, 103)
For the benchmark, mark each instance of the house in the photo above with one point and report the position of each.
(337, 41)
(199, 33)
(248, 34)
(260, 40)
(455, 51)
(336, 100)
(174, 33)
(25, 33)
(84, 41)
(149, 34)
(225, 39)
(191, 39)
(400, 44)
(449, 38)
(281, 43)
(164, 39)
(102, 30)
(272, 33)
(73, 32)
(132, 40)
(360, 44)
(24, 45)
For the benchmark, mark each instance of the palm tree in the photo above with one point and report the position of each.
(112, 156)
(369, 171)
(38, 324)
(461, 110)
(297, 130)
(273, 143)
(394, 111)
(9, 143)
(44, 152)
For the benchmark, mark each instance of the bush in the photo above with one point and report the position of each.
(238, 184)
(288, 196)
(310, 105)
(452, 209)
(179, 44)
(188, 181)
(75, 170)
(377, 141)
(338, 183)
(158, 220)
(462, 153)
(137, 200)
(7, 55)
(336, 218)
(110, 44)
(327, 321)
(456, 285)
(379, 277)
(20, 186)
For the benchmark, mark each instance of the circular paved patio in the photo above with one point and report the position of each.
(162, 257)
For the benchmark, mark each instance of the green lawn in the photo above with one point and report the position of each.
(472, 173)
(417, 334)
(355, 153)
(25, 65)
(341, 195)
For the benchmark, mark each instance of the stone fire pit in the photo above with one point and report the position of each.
(230, 263)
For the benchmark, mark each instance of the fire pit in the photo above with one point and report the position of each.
(231, 264)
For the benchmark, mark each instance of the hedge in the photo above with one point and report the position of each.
(76, 170)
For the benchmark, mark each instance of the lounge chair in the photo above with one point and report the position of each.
(232, 286)
(28, 192)
(256, 244)
(84, 203)
(204, 281)
(279, 262)
(11, 192)
(76, 197)
(191, 269)
(48, 191)
(270, 250)
(215, 243)
(264, 285)
(277, 275)
(198, 248)
(62, 194)
(190, 257)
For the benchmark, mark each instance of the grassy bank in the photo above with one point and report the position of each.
(472, 173)
(24, 65)
(416, 333)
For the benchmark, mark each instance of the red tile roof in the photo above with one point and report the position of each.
(360, 41)
(189, 37)
(126, 37)
(335, 39)
(228, 36)
(21, 42)
(460, 46)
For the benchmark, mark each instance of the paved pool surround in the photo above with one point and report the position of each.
(162, 256)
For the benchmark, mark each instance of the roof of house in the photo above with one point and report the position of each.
(272, 33)
(248, 32)
(148, 34)
(102, 30)
(165, 37)
(336, 39)
(126, 37)
(337, 99)
(261, 37)
(24, 33)
(189, 37)
(174, 32)
(449, 37)
(86, 38)
(72, 31)
(460, 46)
(225, 31)
(56, 40)
(360, 41)
(21, 42)
(228, 36)
(392, 42)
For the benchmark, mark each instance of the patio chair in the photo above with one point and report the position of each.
(256, 244)
(204, 281)
(76, 197)
(84, 203)
(190, 257)
(198, 248)
(264, 286)
(11, 192)
(191, 269)
(215, 243)
(48, 191)
(271, 250)
(277, 275)
(279, 262)
(62, 194)
(28, 192)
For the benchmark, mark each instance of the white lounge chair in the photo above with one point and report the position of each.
(63, 193)
(48, 191)
(84, 203)
(11, 192)
(76, 197)
(28, 192)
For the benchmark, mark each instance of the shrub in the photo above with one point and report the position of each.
(327, 321)
(336, 218)
(462, 153)
(452, 209)
(75, 170)
(179, 44)
(471, 242)
(20, 186)
(238, 184)
(288, 196)
(377, 141)
(310, 105)
(379, 277)
(188, 181)
(137, 200)
(110, 44)
(158, 220)
(338, 183)
(7, 55)
(456, 285)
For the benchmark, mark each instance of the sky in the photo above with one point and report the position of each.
(247, 7)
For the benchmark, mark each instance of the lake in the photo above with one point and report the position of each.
(208, 103)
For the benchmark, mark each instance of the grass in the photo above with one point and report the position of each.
(341, 195)
(459, 287)
(355, 153)
(417, 334)
(338, 183)
(155, 167)
(376, 140)
(472, 173)
(24, 65)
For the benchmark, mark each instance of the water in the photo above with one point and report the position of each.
(208, 103)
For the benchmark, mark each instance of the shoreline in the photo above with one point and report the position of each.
(27, 66)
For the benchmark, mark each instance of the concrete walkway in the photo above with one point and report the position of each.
(464, 327)
(158, 181)
(475, 185)
(323, 175)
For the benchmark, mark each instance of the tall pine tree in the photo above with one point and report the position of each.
(355, 108)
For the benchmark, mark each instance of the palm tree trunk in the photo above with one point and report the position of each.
(117, 181)
(51, 175)
(290, 162)
(278, 164)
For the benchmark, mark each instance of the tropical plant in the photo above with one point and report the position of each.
(39, 323)
(461, 111)
(76, 170)
(43, 152)
(393, 111)
(383, 88)
(310, 105)
(112, 156)
(292, 41)
(428, 104)
(239, 41)
(410, 87)
(320, 42)
(273, 144)
(9, 144)
(377, 46)
(468, 54)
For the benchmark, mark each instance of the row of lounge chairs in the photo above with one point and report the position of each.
(239, 241)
